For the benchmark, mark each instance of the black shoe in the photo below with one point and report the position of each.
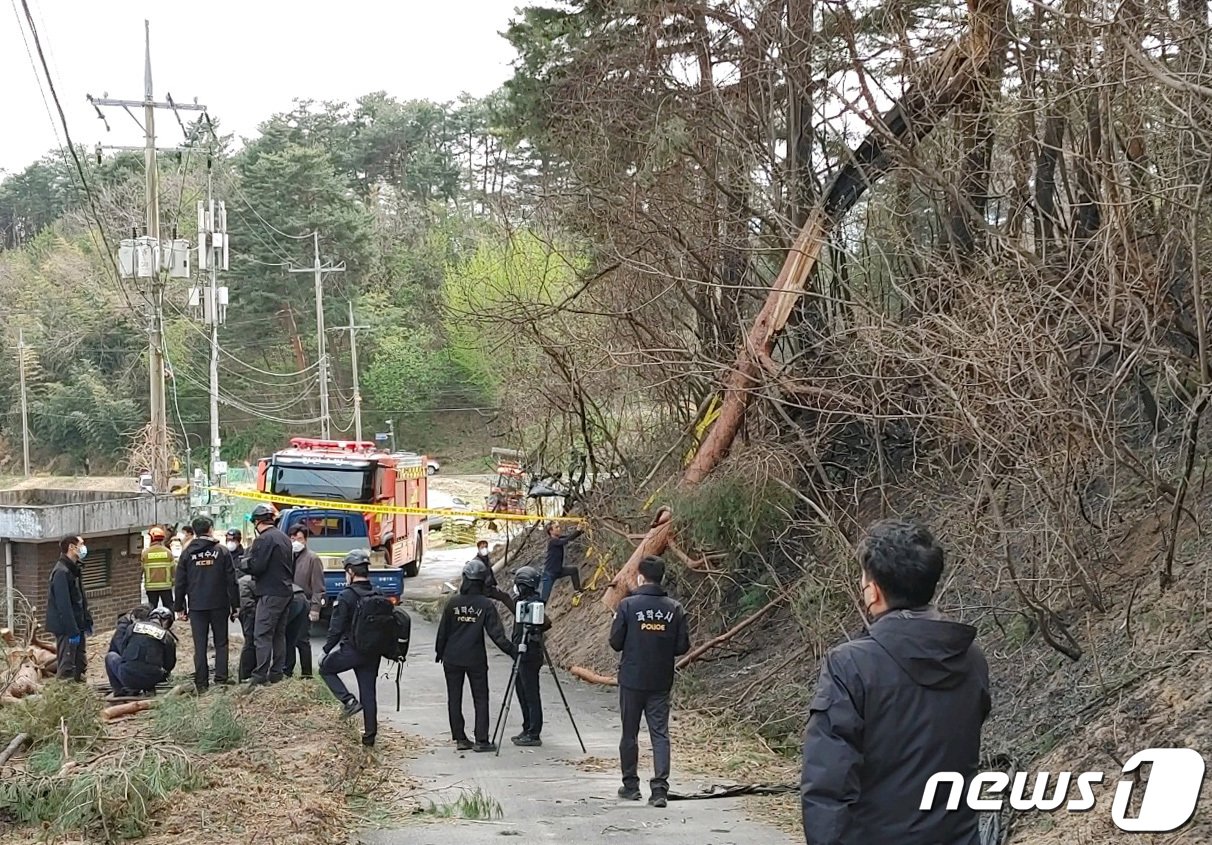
(201, 690)
(528, 741)
(482, 747)
(226, 682)
(522, 735)
(658, 799)
(351, 708)
(630, 793)
(368, 740)
(464, 744)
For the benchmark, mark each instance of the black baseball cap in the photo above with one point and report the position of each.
(234, 534)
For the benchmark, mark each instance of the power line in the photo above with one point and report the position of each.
(71, 148)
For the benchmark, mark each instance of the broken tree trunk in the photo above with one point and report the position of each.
(945, 80)
(591, 676)
(128, 709)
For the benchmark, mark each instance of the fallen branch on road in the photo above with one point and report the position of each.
(592, 677)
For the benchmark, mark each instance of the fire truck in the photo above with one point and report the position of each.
(357, 472)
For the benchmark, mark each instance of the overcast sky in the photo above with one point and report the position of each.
(243, 60)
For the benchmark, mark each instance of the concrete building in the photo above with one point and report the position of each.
(32, 521)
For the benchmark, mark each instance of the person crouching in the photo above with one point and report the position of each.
(148, 655)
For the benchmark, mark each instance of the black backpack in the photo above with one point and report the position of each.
(374, 629)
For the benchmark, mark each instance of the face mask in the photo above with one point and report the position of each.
(482, 553)
(296, 546)
(82, 551)
(231, 547)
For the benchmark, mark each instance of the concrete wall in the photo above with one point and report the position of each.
(38, 514)
(32, 563)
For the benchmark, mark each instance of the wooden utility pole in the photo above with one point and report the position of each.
(155, 294)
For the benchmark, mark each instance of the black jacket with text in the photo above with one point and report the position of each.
(901, 702)
(206, 577)
(150, 652)
(340, 625)
(650, 629)
(467, 617)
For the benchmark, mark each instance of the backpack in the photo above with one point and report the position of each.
(374, 627)
(403, 629)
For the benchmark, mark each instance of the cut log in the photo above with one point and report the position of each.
(945, 80)
(7, 636)
(42, 657)
(13, 747)
(696, 653)
(26, 681)
(129, 709)
(592, 677)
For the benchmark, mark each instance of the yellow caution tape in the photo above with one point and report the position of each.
(358, 507)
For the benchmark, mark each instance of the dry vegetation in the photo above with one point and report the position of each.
(277, 766)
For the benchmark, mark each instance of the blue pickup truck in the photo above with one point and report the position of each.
(333, 533)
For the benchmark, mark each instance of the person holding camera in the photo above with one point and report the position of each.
(650, 630)
(460, 650)
(529, 640)
(901, 701)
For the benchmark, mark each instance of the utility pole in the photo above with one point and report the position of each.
(353, 354)
(154, 270)
(211, 305)
(321, 346)
(24, 401)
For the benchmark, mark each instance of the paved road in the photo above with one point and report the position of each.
(543, 796)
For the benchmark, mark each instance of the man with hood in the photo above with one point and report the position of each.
(901, 702)
(460, 650)
(206, 586)
(67, 614)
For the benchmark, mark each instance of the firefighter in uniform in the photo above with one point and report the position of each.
(650, 630)
(147, 657)
(158, 569)
(460, 650)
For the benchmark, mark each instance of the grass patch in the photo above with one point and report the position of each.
(210, 724)
(472, 804)
(61, 705)
(111, 800)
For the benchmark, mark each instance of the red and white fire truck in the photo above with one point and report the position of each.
(358, 472)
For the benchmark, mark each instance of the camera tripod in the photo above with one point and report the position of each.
(499, 731)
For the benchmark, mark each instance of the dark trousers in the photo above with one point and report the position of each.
(549, 579)
(529, 698)
(248, 651)
(298, 638)
(214, 623)
(73, 659)
(122, 679)
(478, 678)
(343, 658)
(158, 597)
(269, 634)
(654, 706)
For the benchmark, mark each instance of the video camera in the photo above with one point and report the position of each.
(531, 613)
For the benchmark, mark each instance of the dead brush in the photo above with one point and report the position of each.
(60, 707)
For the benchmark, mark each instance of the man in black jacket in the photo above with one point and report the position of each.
(526, 583)
(67, 614)
(235, 545)
(650, 629)
(899, 703)
(271, 564)
(490, 583)
(206, 583)
(340, 654)
(553, 565)
(460, 650)
(122, 628)
(147, 656)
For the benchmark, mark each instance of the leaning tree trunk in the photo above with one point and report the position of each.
(947, 80)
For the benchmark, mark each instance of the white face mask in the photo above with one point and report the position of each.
(82, 551)
(296, 546)
(231, 547)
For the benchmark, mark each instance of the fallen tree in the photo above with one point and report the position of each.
(945, 80)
